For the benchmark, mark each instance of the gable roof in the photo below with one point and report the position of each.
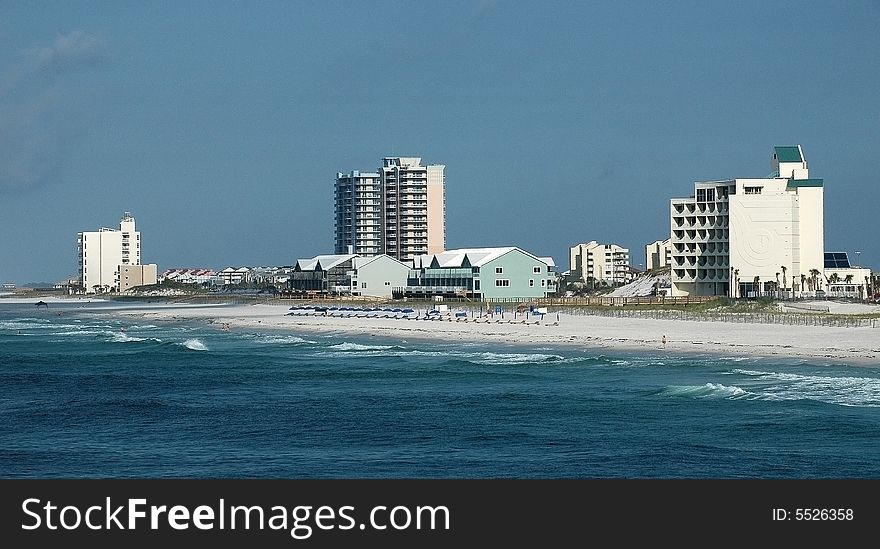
(324, 262)
(361, 262)
(476, 257)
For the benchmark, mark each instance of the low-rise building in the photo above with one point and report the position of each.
(191, 276)
(349, 274)
(235, 275)
(844, 280)
(481, 274)
(132, 276)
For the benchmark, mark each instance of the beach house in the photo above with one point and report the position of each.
(481, 274)
(348, 274)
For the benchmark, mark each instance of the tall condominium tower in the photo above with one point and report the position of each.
(413, 208)
(399, 210)
(102, 252)
(748, 237)
(358, 214)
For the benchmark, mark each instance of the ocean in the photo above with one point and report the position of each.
(81, 398)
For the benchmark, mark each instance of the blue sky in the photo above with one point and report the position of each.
(221, 125)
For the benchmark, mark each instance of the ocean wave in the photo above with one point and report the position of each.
(840, 390)
(122, 337)
(709, 390)
(358, 347)
(283, 340)
(193, 345)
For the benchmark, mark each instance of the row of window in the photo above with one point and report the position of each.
(500, 270)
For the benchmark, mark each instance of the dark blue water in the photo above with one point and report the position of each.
(80, 398)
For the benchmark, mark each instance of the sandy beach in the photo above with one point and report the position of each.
(822, 343)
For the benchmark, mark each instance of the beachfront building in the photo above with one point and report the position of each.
(101, 253)
(205, 277)
(733, 236)
(599, 264)
(348, 274)
(358, 213)
(481, 274)
(658, 254)
(235, 275)
(132, 276)
(841, 279)
(399, 210)
(413, 208)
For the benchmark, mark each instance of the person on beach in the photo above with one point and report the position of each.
(663, 340)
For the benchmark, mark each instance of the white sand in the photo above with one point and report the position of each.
(49, 299)
(853, 345)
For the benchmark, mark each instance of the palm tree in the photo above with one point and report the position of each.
(757, 283)
(847, 279)
(803, 282)
(736, 283)
(784, 283)
(777, 285)
(814, 279)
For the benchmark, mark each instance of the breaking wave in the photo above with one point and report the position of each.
(709, 390)
(194, 345)
(841, 390)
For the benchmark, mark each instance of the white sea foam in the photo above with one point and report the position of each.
(709, 390)
(284, 340)
(841, 390)
(358, 347)
(194, 345)
(510, 358)
(122, 337)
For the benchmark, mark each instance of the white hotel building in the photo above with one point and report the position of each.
(103, 253)
(745, 237)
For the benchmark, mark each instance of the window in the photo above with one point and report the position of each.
(753, 190)
(386, 283)
(536, 270)
(499, 270)
(476, 284)
(363, 284)
(701, 195)
(543, 283)
(531, 282)
(502, 282)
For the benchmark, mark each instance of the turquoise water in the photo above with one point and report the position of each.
(80, 398)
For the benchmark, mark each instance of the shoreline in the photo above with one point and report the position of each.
(856, 346)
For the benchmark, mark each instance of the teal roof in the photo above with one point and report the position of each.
(788, 154)
(805, 183)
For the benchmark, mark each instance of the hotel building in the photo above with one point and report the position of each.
(358, 213)
(749, 237)
(101, 253)
(598, 263)
(658, 254)
(413, 208)
(398, 211)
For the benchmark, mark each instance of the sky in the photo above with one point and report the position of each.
(221, 125)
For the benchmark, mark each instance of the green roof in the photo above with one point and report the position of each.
(788, 154)
(806, 183)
